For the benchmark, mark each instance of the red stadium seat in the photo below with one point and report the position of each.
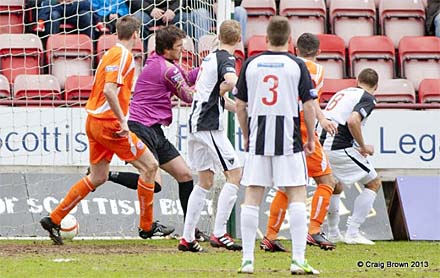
(188, 54)
(239, 57)
(429, 91)
(257, 44)
(395, 91)
(350, 18)
(332, 56)
(43, 87)
(11, 16)
(69, 54)
(310, 15)
(259, 13)
(4, 87)
(20, 54)
(375, 52)
(332, 86)
(107, 41)
(206, 44)
(419, 58)
(400, 18)
(78, 87)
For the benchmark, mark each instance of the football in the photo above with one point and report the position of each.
(69, 227)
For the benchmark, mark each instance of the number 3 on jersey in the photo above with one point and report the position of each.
(271, 101)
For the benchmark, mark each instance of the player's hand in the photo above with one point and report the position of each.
(156, 13)
(113, 16)
(366, 150)
(329, 126)
(123, 131)
(309, 147)
(168, 16)
(246, 144)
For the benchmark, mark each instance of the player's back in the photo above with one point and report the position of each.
(273, 81)
(208, 105)
(341, 105)
(116, 66)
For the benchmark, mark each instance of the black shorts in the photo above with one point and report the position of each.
(155, 140)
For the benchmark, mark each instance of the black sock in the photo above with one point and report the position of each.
(129, 180)
(185, 189)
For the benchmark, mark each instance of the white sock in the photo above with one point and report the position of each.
(298, 230)
(226, 201)
(249, 225)
(333, 214)
(196, 202)
(362, 206)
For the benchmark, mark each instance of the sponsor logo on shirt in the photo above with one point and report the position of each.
(270, 65)
(314, 93)
(177, 78)
(230, 69)
(111, 68)
(363, 112)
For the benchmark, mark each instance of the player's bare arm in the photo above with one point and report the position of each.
(328, 125)
(354, 125)
(230, 104)
(110, 93)
(229, 83)
(242, 115)
(309, 119)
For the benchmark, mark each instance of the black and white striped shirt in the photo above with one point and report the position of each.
(208, 106)
(272, 84)
(339, 109)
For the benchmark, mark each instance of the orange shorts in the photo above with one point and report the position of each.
(317, 163)
(103, 144)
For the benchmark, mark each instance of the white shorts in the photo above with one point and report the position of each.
(349, 166)
(211, 150)
(280, 171)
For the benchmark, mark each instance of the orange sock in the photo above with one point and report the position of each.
(77, 192)
(320, 203)
(145, 195)
(277, 212)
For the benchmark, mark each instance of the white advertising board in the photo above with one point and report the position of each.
(403, 139)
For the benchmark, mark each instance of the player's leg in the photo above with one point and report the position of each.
(333, 218)
(277, 213)
(257, 174)
(224, 157)
(130, 180)
(290, 172)
(349, 167)
(99, 156)
(318, 212)
(362, 206)
(196, 202)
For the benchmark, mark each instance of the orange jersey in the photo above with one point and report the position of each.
(116, 66)
(317, 163)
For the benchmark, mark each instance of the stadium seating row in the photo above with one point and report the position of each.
(72, 54)
(346, 18)
(46, 89)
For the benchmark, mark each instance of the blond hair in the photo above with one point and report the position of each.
(230, 32)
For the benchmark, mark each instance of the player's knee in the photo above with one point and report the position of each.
(338, 188)
(234, 176)
(374, 184)
(98, 179)
(184, 175)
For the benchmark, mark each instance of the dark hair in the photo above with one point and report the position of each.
(308, 44)
(368, 77)
(278, 31)
(166, 37)
(126, 26)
